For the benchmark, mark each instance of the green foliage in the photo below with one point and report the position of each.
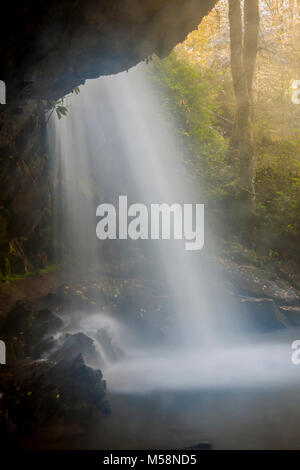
(9, 277)
(197, 104)
(190, 97)
(58, 105)
(76, 90)
(278, 194)
(61, 111)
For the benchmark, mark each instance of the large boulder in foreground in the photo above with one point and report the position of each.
(37, 393)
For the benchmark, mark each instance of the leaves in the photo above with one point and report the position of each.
(190, 97)
(61, 111)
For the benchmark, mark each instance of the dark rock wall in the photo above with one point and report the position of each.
(49, 47)
(46, 49)
(25, 202)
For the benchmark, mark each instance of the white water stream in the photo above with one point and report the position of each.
(116, 141)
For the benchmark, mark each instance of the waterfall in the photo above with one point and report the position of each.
(116, 140)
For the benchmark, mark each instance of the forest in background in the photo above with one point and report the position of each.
(231, 90)
(244, 142)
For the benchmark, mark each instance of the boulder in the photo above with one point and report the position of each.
(249, 283)
(79, 385)
(260, 314)
(40, 340)
(292, 314)
(46, 323)
(43, 348)
(36, 393)
(75, 344)
(23, 319)
(28, 332)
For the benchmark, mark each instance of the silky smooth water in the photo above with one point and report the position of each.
(117, 140)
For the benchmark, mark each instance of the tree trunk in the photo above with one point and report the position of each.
(243, 48)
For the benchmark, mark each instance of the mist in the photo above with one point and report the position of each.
(116, 140)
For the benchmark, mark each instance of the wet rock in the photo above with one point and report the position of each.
(23, 319)
(27, 333)
(40, 341)
(260, 314)
(79, 385)
(99, 38)
(40, 392)
(46, 323)
(45, 347)
(112, 352)
(75, 344)
(249, 283)
(292, 314)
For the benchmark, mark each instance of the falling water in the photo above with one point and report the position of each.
(126, 108)
(116, 141)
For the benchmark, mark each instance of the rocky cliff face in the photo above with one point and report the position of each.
(25, 203)
(46, 49)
